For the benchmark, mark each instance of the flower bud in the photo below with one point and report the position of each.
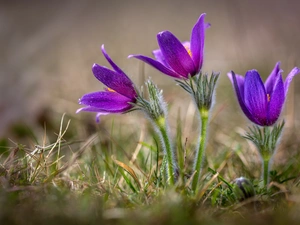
(243, 188)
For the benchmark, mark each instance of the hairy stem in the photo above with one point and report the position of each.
(200, 151)
(265, 172)
(171, 165)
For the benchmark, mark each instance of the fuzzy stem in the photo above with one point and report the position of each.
(161, 124)
(266, 152)
(200, 152)
(265, 172)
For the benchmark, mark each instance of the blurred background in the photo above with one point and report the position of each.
(48, 48)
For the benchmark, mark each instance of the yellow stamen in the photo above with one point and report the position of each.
(269, 97)
(111, 90)
(188, 50)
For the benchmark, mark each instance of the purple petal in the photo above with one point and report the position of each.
(93, 109)
(98, 116)
(116, 68)
(158, 65)
(105, 101)
(119, 82)
(256, 97)
(197, 41)
(272, 78)
(238, 84)
(88, 109)
(186, 45)
(160, 58)
(289, 78)
(175, 54)
(276, 101)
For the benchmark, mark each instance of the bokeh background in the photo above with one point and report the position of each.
(48, 48)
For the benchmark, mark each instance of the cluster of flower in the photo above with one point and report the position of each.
(262, 103)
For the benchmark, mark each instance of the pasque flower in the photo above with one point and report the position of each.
(178, 59)
(262, 102)
(114, 99)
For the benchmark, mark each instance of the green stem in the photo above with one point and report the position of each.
(266, 171)
(161, 123)
(201, 150)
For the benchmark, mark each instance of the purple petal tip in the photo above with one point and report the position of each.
(79, 110)
(162, 33)
(95, 67)
(103, 50)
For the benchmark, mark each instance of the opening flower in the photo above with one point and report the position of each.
(114, 99)
(178, 59)
(262, 102)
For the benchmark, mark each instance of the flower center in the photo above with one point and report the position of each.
(110, 90)
(268, 97)
(189, 51)
(187, 47)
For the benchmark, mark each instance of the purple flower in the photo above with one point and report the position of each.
(116, 98)
(178, 59)
(262, 102)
